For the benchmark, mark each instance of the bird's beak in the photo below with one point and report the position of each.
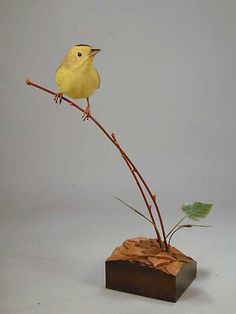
(93, 52)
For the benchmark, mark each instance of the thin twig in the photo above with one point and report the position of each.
(129, 163)
(135, 210)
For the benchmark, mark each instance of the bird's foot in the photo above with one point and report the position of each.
(87, 113)
(58, 98)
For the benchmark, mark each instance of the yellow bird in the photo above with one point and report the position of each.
(76, 77)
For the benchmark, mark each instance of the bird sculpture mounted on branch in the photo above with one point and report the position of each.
(76, 77)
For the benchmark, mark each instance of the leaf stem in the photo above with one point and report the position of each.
(185, 226)
(178, 223)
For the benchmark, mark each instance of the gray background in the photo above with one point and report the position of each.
(168, 92)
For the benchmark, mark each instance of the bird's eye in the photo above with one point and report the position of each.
(79, 54)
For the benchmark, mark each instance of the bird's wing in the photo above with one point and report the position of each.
(59, 75)
(98, 79)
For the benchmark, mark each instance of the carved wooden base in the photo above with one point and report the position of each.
(147, 281)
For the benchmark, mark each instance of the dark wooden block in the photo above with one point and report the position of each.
(133, 277)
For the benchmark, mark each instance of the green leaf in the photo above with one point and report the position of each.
(196, 210)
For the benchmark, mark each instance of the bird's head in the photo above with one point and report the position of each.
(80, 56)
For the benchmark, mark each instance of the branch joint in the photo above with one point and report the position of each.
(28, 82)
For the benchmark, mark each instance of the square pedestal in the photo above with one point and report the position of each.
(133, 277)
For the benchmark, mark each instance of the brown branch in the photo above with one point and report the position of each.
(149, 207)
(136, 174)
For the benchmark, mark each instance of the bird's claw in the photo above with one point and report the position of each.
(58, 98)
(86, 114)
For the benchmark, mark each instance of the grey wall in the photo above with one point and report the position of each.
(167, 90)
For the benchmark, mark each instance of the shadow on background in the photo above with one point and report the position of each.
(197, 293)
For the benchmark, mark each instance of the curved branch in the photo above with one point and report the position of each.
(136, 174)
